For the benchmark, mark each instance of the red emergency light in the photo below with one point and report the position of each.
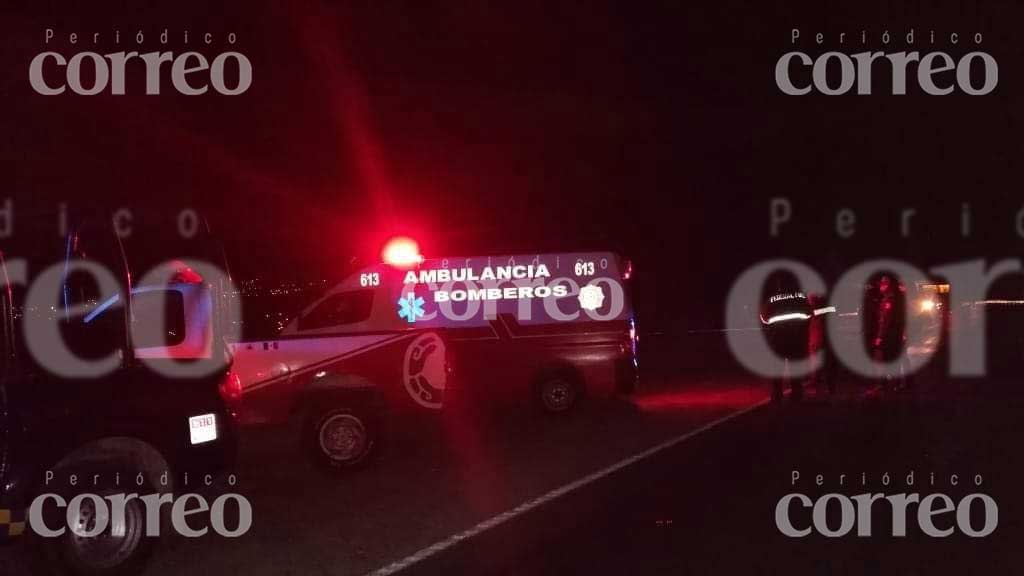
(402, 251)
(627, 271)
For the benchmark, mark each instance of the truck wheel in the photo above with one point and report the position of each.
(123, 549)
(557, 392)
(341, 438)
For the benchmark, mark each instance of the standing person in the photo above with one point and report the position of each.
(886, 314)
(825, 372)
(786, 319)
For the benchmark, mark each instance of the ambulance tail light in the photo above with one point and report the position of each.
(630, 342)
(627, 366)
(634, 338)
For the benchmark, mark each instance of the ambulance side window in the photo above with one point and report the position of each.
(338, 310)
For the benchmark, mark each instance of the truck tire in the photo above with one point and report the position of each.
(105, 554)
(341, 438)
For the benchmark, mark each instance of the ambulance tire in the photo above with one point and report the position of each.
(341, 438)
(557, 392)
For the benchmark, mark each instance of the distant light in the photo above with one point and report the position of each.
(927, 305)
(402, 251)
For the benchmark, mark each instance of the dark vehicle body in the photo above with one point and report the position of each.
(132, 422)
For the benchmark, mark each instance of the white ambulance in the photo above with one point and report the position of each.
(543, 328)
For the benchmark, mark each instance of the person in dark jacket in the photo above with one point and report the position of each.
(786, 318)
(825, 375)
(886, 326)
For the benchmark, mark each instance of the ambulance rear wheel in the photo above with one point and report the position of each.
(557, 393)
(341, 438)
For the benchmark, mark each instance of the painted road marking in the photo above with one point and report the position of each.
(555, 494)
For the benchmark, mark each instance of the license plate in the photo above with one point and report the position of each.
(203, 428)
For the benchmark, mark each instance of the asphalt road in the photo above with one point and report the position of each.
(683, 479)
(707, 506)
(435, 476)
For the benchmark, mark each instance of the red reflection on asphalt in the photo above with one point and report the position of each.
(731, 397)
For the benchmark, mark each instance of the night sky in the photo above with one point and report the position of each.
(655, 129)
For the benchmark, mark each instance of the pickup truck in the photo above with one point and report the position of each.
(133, 429)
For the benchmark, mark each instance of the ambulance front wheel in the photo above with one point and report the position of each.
(341, 438)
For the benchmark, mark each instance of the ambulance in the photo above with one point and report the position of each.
(415, 334)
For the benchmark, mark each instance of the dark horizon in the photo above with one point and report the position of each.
(656, 131)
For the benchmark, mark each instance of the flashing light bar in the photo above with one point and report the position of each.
(403, 252)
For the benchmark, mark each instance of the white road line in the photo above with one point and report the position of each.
(525, 507)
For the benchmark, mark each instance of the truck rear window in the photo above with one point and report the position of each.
(147, 309)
